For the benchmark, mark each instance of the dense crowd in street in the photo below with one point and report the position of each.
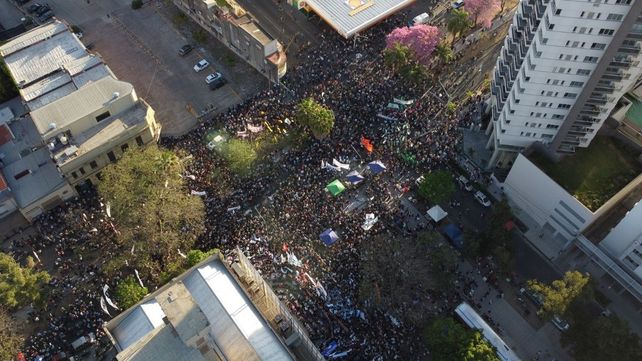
(284, 206)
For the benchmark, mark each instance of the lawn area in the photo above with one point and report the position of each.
(593, 174)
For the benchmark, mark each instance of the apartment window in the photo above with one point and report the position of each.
(561, 69)
(574, 28)
(528, 134)
(139, 141)
(526, 124)
(607, 32)
(558, 11)
(564, 106)
(102, 116)
(74, 175)
(544, 104)
(570, 95)
(124, 147)
(555, 82)
(590, 59)
(557, 116)
(551, 26)
(547, 136)
(93, 164)
(590, 15)
(614, 17)
(582, 30)
(111, 156)
(583, 72)
(582, 14)
(527, 78)
(575, 44)
(549, 93)
(623, 2)
(81, 170)
(576, 84)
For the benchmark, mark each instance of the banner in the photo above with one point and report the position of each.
(367, 144)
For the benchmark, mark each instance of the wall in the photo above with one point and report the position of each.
(65, 192)
(546, 202)
(624, 242)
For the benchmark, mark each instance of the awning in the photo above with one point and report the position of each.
(354, 177)
(335, 188)
(454, 234)
(376, 166)
(437, 214)
(328, 237)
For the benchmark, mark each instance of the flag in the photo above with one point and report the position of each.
(367, 144)
(285, 247)
(254, 128)
(36, 255)
(108, 210)
(181, 253)
(138, 277)
(103, 306)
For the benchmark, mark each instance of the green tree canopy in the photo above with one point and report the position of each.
(437, 186)
(8, 89)
(318, 118)
(129, 292)
(444, 53)
(20, 285)
(559, 295)
(458, 22)
(196, 255)
(11, 339)
(449, 341)
(239, 154)
(153, 209)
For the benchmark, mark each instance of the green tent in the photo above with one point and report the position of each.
(335, 188)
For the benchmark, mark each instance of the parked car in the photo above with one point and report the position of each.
(464, 183)
(184, 50)
(202, 64)
(482, 199)
(422, 18)
(43, 9)
(219, 82)
(560, 323)
(212, 77)
(33, 8)
(45, 16)
(457, 4)
(537, 298)
(83, 343)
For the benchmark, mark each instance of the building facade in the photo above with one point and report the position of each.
(73, 118)
(560, 73)
(235, 28)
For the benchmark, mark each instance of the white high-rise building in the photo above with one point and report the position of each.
(562, 69)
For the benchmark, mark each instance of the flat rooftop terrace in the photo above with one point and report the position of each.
(595, 174)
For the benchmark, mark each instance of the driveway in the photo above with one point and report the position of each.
(141, 47)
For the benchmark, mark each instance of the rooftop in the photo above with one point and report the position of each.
(196, 316)
(594, 174)
(50, 62)
(349, 17)
(28, 169)
(635, 112)
(81, 103)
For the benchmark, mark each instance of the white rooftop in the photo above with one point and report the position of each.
(349, 17)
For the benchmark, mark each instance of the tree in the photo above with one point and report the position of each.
(558, 296)
(437, 186)
(483, 11)
(421, 39)
(442, 260)
(154, 213)
(196, 255)
(19, 285)
(137, 4)
(315, 116)
(450, 341)
(239, 154)
(398, 56)
(444, 53)
(129, 292)
(458, 22)
(596, 338)
(8, 89)
(11, 339)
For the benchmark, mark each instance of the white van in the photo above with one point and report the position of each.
(422, 18)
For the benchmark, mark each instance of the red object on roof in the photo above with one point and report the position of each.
(5, 134)
(3, 183)
(509, 225)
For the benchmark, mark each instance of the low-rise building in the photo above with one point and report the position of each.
(208, 313)
(235, 28)
(73, 118)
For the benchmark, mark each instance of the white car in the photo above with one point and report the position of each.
(457, 4)
(212, 77)
(560, 323)
(422, 18)
(202, 64)
(482, 199)
(464, 183)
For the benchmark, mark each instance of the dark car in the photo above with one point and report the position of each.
(33, 8)
(43, 9)
(22, 2)
(45, 16)
(184, 50)
(217, 83)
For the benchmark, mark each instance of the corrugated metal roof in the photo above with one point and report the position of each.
(141, 321)
(349, 17)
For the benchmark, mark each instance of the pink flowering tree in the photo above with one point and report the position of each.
(421, 39)
(483, 11)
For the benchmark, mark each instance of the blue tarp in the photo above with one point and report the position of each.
(454, 234)
(354, 177)
(376, 166)
(329, 349)
(329, 236)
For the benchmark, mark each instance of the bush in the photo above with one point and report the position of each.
(8, 89)
(437, 186)
(129, 292)
(196, 255)
(137, 4)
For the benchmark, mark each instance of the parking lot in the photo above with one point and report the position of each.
(141, 47)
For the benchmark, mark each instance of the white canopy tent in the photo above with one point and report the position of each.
(436, 213)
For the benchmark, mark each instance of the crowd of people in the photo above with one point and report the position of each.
(282, 206)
